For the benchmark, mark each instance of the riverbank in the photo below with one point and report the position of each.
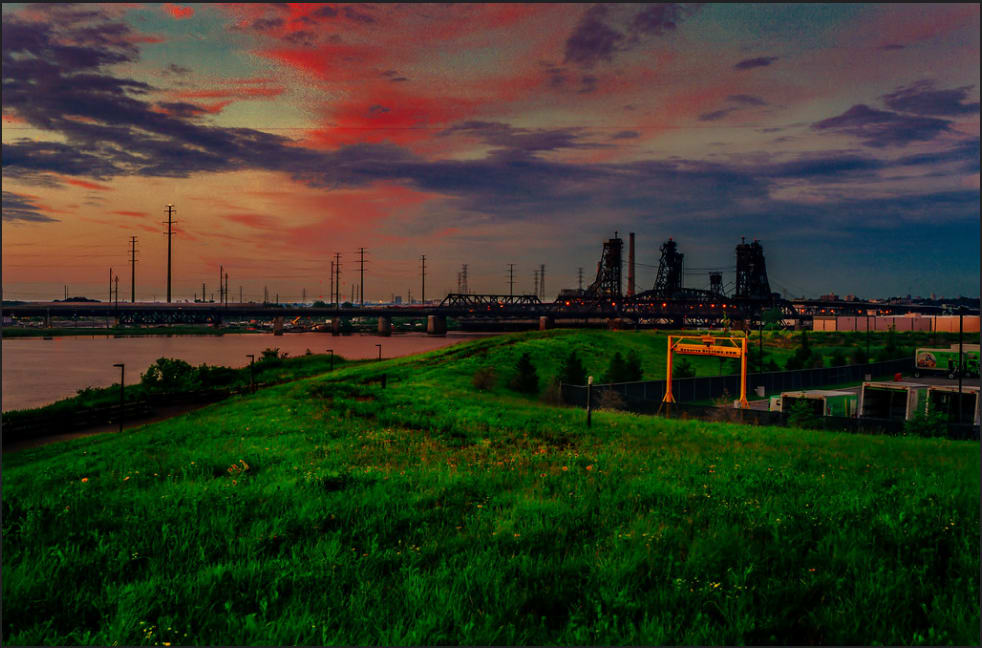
(442, 508)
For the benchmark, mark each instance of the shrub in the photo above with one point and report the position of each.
(859, 356)
(485, 379)
(838, 358)
(526, 379)
(803, 416)
(927, 424)
(169, 375)
(610, 400)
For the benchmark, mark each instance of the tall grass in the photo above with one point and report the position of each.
(332, 510)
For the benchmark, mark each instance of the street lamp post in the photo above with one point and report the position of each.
(379, 351)
(122, 382)
(252, 380)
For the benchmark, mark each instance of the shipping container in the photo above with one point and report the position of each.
(892, 400)
(824, 402)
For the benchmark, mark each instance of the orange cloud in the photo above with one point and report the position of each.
(178, 12)
(86, 185)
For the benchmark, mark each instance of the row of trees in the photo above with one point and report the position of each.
(525, 378)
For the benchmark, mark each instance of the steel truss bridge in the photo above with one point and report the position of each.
(642, 310)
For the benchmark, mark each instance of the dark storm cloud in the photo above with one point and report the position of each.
(522, 141)
(922, 98)
(741, 100)
(599, 35)
(265, 24)
(327, 11)
(301, 37)
(880, 128)
(114, 132)
(358, 16)
(22, 208)
(761, 61)
(592, 41)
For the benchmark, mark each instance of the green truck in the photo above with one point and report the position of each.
(823, 402)
(945, 361)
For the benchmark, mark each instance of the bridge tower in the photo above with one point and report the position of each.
(751, 272)
(669, 280)
(608, 282)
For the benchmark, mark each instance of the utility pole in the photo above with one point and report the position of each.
(170, 235)
(110, 284)
(66, 292)
(423, 275)
(579, 272)
(303, 298)
(361, 290)
(221, 284)
(132, 269)
(463, 280)
(240, 294)
(542, 280)
(337, 278)
(226, 290)
(535, 282)
(202, 292)
(331, 293)
(511, 279)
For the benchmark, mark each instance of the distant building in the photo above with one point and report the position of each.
(397, 300)
(829, 297)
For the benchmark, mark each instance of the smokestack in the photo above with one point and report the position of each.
(630, 266)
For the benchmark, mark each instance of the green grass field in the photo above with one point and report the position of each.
(333, 511)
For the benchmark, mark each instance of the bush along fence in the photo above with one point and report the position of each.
(645, 397)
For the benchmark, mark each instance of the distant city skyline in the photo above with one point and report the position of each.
(844, 137)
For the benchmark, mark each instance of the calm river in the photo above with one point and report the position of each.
(38, 371)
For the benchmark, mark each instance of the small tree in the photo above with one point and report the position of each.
(526, 379)
(572, 371)
(927, 424)
(859, 356)
(632, 368)
(616, 370)
(838, 358)
(683, 369)
(169, 375)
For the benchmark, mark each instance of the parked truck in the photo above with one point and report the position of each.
(892, 400)
(945, 400)
(945, 361)
(823, 402)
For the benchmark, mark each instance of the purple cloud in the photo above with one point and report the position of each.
(880, 128)
(921, 98)
(761, 61)
(22, 208)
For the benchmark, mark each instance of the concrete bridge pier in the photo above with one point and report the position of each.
(336, 326)
(47, 318)
(546, 322)
(277, 324)
(385, 326)
(436, 324)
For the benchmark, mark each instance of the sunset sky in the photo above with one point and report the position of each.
(844, 137)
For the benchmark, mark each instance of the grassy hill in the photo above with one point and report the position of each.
(331, 510)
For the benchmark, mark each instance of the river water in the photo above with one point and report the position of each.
(37, 372)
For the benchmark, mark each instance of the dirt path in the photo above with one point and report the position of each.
(160, 414)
